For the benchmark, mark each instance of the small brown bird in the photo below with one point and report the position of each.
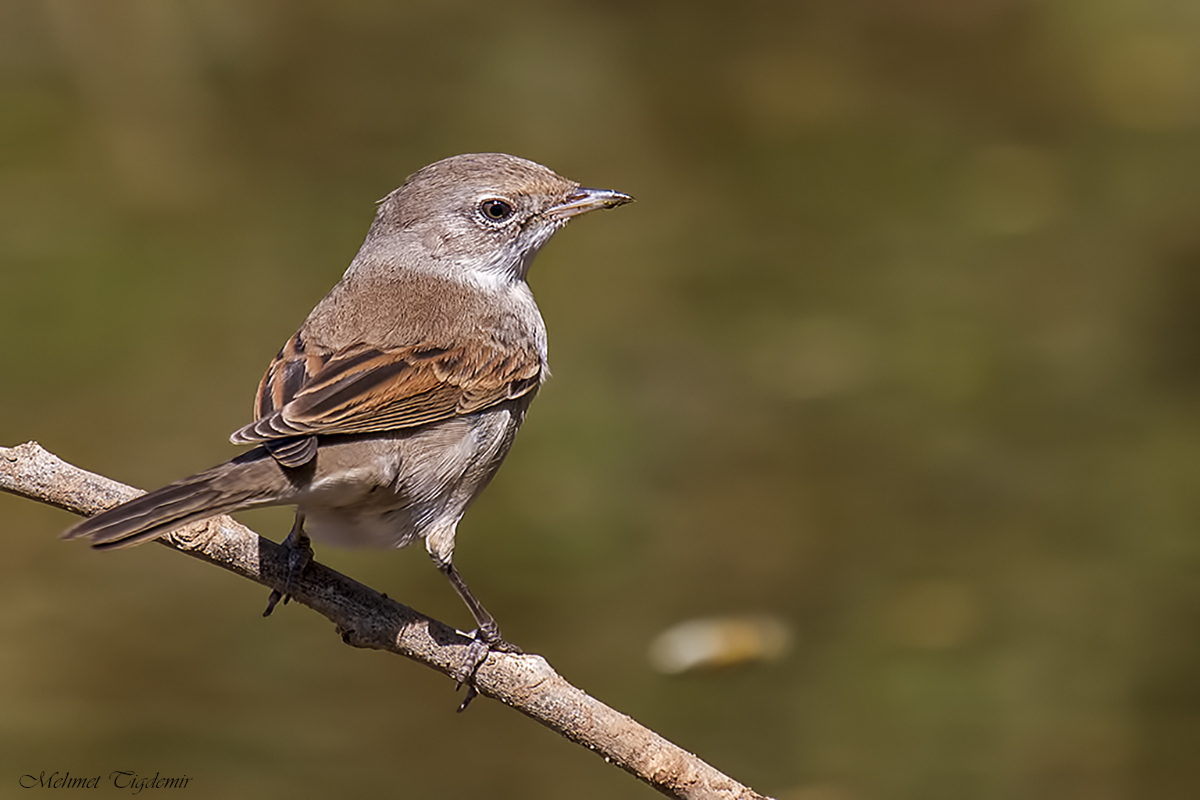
(392, 407)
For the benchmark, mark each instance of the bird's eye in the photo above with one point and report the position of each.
(495, 210)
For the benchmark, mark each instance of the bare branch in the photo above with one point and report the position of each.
(366, 618)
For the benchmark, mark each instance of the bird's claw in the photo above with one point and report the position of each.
(299, 556)
(483, 642)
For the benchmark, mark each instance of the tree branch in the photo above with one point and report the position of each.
(366, 618)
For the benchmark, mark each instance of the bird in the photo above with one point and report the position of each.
(392, 407)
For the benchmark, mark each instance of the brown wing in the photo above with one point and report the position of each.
(367, 390)
(292, 368)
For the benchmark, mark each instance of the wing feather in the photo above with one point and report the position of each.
(367, 390)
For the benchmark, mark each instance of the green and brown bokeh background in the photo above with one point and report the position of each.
(900, 344)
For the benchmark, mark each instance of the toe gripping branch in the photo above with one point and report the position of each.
(484, 639)
(299, 556)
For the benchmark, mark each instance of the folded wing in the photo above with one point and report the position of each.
(364, 389)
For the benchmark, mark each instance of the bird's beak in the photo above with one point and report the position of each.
(584, 200)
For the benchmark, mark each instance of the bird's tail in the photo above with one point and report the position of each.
(252, 479)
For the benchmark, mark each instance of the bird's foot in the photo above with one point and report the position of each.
(299, 556)
(484, 640)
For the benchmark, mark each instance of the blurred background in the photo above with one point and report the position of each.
(898, 355)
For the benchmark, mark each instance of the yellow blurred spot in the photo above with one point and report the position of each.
(935, 614)
(715, 642)
(1010, 189)
(1149, 82)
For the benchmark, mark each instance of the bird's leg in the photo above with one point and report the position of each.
(299, 555)
(486, 636)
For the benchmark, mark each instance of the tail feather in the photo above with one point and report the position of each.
(251, 479)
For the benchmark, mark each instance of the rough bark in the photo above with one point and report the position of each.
(366, 618)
